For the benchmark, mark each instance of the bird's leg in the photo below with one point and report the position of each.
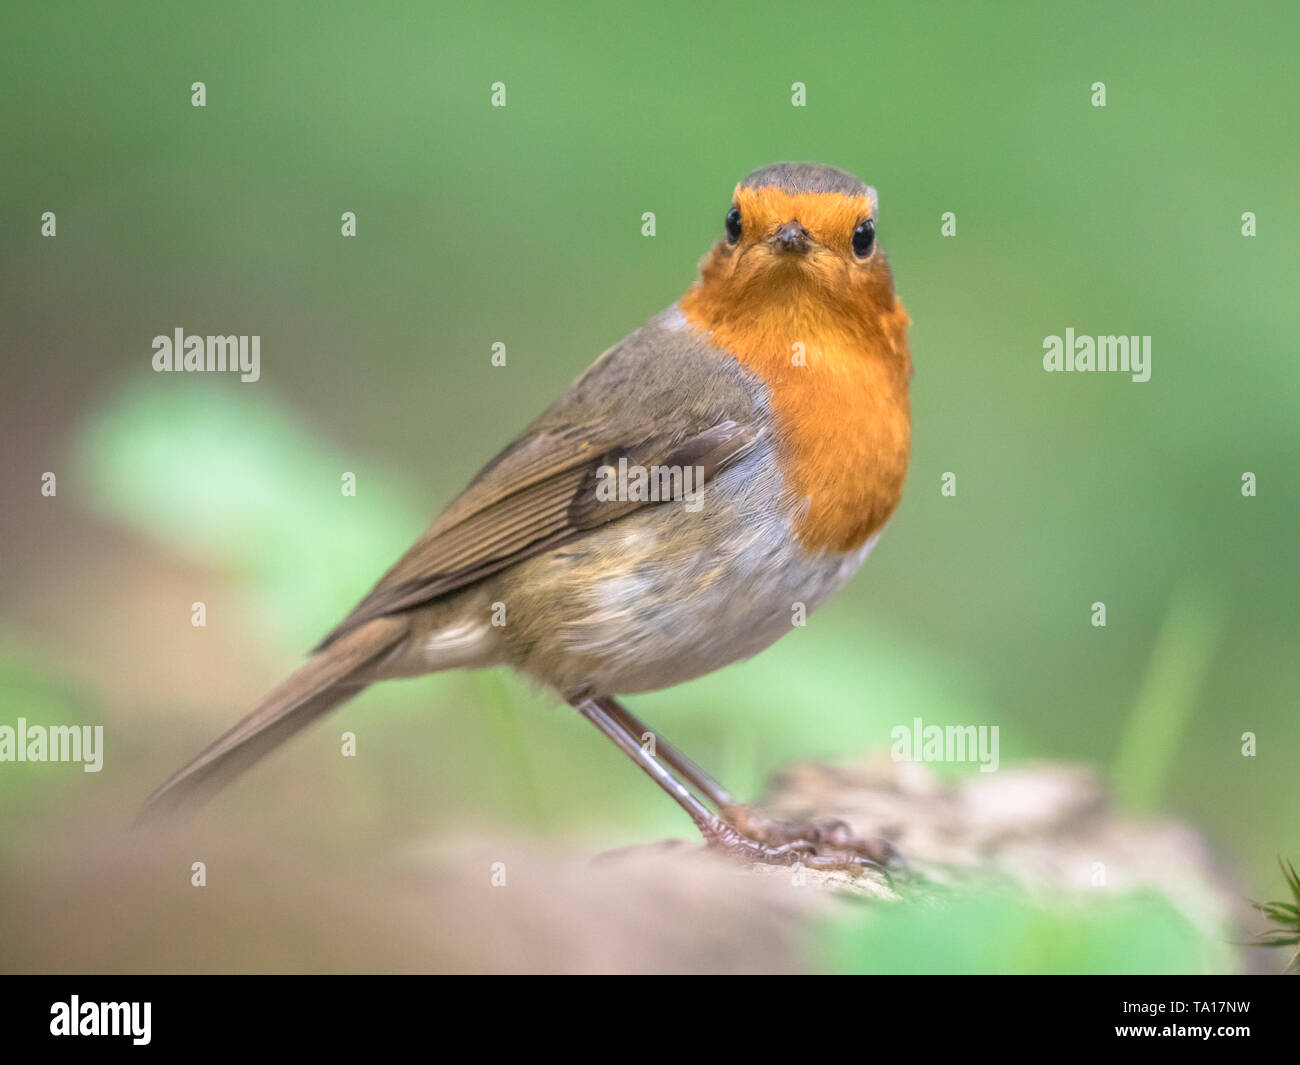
(717, 832)
(828, 842)
(685, 767)
(594, 712)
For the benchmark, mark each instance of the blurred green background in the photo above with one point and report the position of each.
(523, 225)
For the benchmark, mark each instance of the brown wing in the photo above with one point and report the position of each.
(538, 493)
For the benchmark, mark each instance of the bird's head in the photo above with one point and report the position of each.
(799, 232)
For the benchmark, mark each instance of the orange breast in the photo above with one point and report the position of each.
(838, 373)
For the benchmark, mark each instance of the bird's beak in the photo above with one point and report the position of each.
(791, 238)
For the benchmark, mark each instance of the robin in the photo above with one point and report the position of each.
(722, 469)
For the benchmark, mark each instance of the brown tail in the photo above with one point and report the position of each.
(330, 678)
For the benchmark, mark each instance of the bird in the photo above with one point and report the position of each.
(722, 468)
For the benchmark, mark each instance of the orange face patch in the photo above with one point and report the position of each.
(826, 333)
(828, 216)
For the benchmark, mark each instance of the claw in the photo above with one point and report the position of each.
(827, 844)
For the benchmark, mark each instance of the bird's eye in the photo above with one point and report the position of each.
(864, 239)
(733, 225)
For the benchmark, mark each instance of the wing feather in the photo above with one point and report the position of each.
(537, 494)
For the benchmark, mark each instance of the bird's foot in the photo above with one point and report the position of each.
(827, 844)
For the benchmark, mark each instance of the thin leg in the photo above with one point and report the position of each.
(723, 832)
(690, 772)
(594, 712)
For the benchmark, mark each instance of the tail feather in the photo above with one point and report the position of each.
(330, 678)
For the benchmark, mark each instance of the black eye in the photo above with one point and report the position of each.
(864, 238)
(733, 225)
